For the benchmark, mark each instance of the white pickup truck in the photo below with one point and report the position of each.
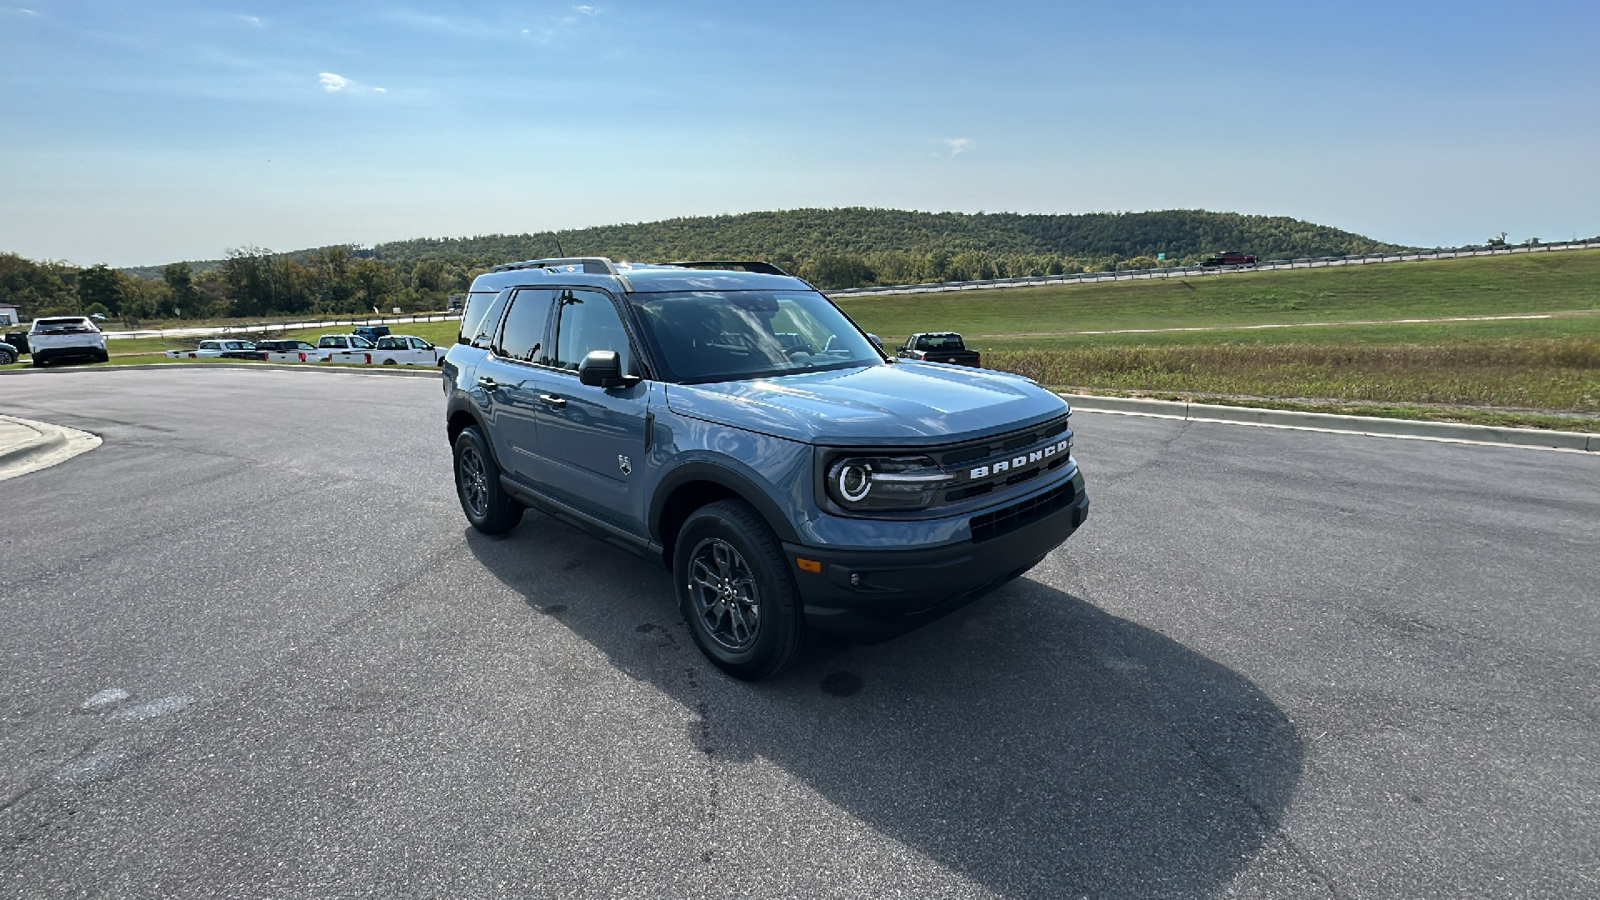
(340, 348)
(211, 349)
(390, 350)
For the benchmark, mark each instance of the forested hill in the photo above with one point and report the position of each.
(895, 240)
(831, 248)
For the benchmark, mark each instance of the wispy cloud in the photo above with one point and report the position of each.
(543, 32)
(335, 83)
(19, 11)
(430, 22)
(253, 21)
(957, 146)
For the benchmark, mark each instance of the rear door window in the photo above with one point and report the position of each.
(522, 336)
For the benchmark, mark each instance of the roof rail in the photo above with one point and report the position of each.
(592, 265)
(737, 265)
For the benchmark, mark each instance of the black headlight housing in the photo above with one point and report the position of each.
(866, 483)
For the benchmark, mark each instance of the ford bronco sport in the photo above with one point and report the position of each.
(728, 421)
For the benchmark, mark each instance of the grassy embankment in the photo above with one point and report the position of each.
(1536, 372)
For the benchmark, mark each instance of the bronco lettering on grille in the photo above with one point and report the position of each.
(1018, 462)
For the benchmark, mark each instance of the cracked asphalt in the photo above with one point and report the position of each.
(251, 649)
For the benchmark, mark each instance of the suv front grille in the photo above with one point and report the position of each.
(1004, 443)
(1003, 521)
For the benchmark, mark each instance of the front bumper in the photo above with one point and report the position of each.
(874, 595)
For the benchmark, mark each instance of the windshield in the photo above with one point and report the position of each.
(702, 336)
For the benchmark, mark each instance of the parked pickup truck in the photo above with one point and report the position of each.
(939, 346)
(330, 344)
(390, 350)
(212, 349)
(280, 350)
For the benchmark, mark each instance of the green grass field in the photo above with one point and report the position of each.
(1482, 286)
(1534, 372)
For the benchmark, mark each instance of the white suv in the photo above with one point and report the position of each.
(66, 337)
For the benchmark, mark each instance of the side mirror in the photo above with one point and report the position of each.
(602, 369)
(876, 341)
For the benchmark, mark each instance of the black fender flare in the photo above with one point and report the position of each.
(724, 476)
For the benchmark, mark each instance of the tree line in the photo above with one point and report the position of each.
(831, 248)
(249, 282)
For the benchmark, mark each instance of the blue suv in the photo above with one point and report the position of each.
(728, 421)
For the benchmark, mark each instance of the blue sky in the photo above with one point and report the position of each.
(145, 131)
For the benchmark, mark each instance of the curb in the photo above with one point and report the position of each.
(39, 443)
(50, 444)
(1311, 421)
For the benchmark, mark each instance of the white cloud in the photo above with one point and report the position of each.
(957, 146)
(334, 83)
(254, 21)
(586, 10)
(19, 11)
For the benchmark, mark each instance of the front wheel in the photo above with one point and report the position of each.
(735, 590)
(487, 505)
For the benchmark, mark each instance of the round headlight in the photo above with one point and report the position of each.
(854, 481)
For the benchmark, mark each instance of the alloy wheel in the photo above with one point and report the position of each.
(474, 483)
(723, 591)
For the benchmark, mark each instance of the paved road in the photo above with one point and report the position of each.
(251, 649)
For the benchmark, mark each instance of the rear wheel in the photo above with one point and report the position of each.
(735, 590)
(487, 505)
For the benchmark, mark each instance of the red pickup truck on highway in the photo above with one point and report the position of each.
(1230, 258)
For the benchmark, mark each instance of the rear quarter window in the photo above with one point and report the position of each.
(477, 305)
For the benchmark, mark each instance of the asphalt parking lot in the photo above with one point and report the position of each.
(252, 649)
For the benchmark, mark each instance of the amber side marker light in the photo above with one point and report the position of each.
(807, 565)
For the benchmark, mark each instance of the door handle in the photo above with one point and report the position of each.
(552, 400)
(487, 383)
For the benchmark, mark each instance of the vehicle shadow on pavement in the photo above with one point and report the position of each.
(1030, 743)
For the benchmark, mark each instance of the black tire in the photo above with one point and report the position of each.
(736, 592)
(103, 356)
(38, 363)
(7, 358)
(486, 504)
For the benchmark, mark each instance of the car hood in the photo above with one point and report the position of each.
(898, 404)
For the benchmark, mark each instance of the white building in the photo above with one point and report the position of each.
(8, 314)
